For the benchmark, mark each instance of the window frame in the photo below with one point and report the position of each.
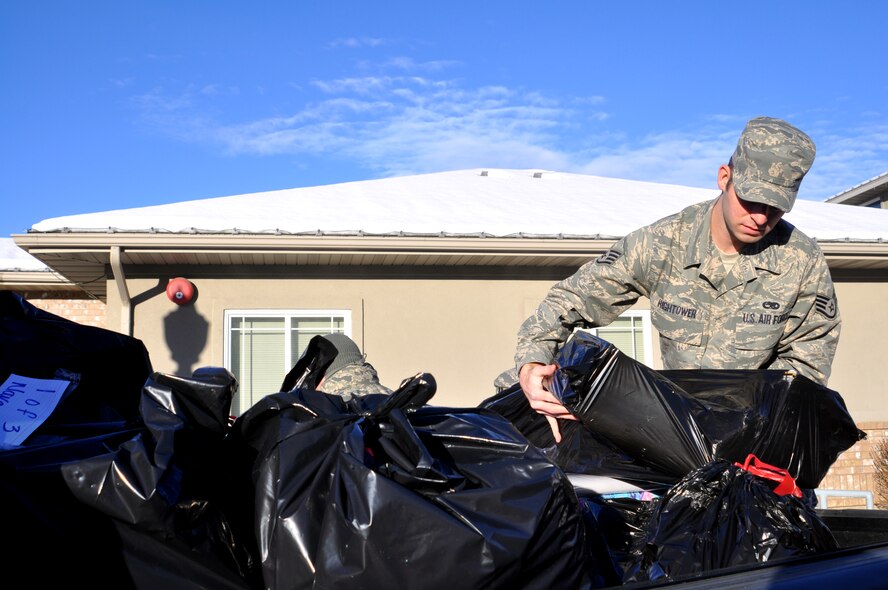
(287, 315)
(647, 330)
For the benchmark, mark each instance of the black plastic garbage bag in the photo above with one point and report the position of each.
(631, 405)
(581, 449)
(659, 425)
(385, 492)
(169, 491)
(722, 515)
(785, 420)
(106, 369)
(309, 369)
(615, 525)
(149, 506)
(52, 538)
(634, 424)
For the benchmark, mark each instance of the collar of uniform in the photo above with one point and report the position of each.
(763, 254)
(701, 248)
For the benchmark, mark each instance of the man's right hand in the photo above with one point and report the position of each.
(535, 379)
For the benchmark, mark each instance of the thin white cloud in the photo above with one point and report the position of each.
(408, 64)
(356, 42)
(688, 157)
(218, 90)
(393, 125)
(846, 158)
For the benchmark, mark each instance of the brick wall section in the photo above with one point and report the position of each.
(855, 469)
(89, 312)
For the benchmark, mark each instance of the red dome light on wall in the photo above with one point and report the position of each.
(180, 291)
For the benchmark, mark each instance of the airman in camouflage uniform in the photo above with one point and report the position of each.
(731, 284)
(350, 375)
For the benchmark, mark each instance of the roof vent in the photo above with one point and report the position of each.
(484, 173)
(537, 174)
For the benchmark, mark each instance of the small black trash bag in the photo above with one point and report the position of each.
(615, 525)
(385, 492)
(723, 515)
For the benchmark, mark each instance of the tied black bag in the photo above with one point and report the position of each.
(384, 491)
(786, 420)
(723, 515)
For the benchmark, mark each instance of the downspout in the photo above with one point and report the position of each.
(126, 307)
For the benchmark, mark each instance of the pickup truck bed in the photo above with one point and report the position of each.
(861, 562)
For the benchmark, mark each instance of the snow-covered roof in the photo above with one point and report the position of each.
(493, 202)
(13, 258)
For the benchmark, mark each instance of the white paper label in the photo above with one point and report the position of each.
(25, 403)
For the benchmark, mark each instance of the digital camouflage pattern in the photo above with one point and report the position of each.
(354, 380)
(776, 308)
(770, 161)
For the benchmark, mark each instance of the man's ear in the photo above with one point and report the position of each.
(724, 177)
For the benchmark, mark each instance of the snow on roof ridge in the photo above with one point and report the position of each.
(457, 203)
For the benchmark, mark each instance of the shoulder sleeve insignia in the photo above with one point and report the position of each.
(608, 257)
(825, 306)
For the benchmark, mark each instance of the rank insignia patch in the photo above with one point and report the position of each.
(608, 257)
(825, 306)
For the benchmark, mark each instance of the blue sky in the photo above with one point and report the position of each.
(110, 104)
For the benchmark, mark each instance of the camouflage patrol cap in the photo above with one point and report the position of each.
(770, 161)
(347, 352)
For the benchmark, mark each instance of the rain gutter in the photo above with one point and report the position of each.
(126, 308)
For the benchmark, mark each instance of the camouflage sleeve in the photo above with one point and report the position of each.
(809, 340)
(594, 296)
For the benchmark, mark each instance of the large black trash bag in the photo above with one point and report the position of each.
(106, 369)
(385, 492)
(51, 535)
(182, 520)
(631, 405)
(634, 424)
(786, 420)
(721, 515)
(669, 422)
(581, 449)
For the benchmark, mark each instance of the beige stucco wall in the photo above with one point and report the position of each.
(860, 371)
(462, 331)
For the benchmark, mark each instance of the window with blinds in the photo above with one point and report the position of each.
(262, 346)
(631, 333)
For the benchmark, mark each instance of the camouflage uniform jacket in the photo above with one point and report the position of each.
(353, 381)
(775, 309)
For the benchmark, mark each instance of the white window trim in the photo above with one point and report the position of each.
(287, 314)
(647, 330)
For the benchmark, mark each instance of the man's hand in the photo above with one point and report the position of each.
(534, 379)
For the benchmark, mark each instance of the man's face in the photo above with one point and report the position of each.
(747, 222)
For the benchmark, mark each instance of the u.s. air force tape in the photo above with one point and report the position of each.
(825, 306)
(609, 257)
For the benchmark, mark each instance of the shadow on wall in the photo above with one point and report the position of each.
(185, 332)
